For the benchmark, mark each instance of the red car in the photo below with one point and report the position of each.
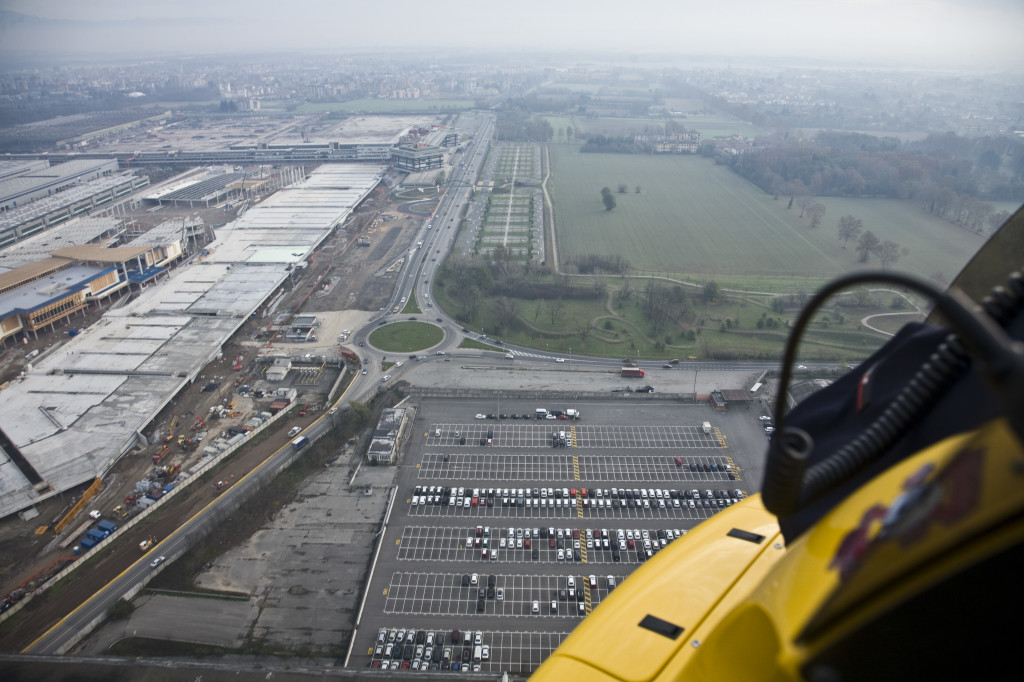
(563, 416)
(679, 462)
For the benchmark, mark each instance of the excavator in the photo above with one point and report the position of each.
(886, 542)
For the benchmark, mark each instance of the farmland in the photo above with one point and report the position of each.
(700, 221)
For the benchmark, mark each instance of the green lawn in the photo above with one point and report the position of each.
(697, 218)
(406, 337)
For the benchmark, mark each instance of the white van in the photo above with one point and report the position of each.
(476, 654)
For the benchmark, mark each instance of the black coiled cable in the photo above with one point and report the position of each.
(788, 486)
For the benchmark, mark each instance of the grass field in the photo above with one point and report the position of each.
(386, 106)
(406, 337)
(699, 218)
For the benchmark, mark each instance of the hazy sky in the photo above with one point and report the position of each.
(901, 32)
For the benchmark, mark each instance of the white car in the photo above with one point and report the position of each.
(398, 364)
(385, 377)
(559, 359)
(765, 418)
(157, 561)
(481, 416)
(535, 607)
(769, 430)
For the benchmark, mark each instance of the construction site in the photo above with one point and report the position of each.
(235, 372)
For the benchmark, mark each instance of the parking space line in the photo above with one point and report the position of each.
(525, 435)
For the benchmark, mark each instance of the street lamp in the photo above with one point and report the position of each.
(570, 358)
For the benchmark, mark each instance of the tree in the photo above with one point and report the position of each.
(582, 330)
(626, 290)
(816, 212)
(623, 189)
(996, 220)
(866, 245)
(849, 228)
(555, 308)
(638, 189)
(888, 253)
(506, 310)
(804, 202)
(711, 291)
(609, 200)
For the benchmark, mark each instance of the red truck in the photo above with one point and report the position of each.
(350, 356)
(632, 372)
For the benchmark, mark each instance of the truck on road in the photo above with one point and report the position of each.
(350, 356)
(632, 372)
(300, 442)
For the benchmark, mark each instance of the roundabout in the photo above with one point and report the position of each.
(406, 337)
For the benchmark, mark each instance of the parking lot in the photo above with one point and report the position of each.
(562, 464)
(498, 524)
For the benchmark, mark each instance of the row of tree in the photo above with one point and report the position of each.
(868, 244)
(501, 281)
(953, 186)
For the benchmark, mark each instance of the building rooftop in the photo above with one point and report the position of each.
(84, 403)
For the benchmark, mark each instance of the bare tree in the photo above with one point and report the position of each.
(849, 228)
(471, 301)
(866, 245)
(888, 253)
(582, 330)
(555, 308)
(506, 310)
(804, 202)
(816, 212)
(626, 290)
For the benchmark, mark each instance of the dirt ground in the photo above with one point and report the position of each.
(357, 280)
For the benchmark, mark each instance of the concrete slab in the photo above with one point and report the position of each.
(212, 621)
(306, 566)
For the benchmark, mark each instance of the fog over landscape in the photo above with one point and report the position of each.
(941, 33)
(290, 291)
